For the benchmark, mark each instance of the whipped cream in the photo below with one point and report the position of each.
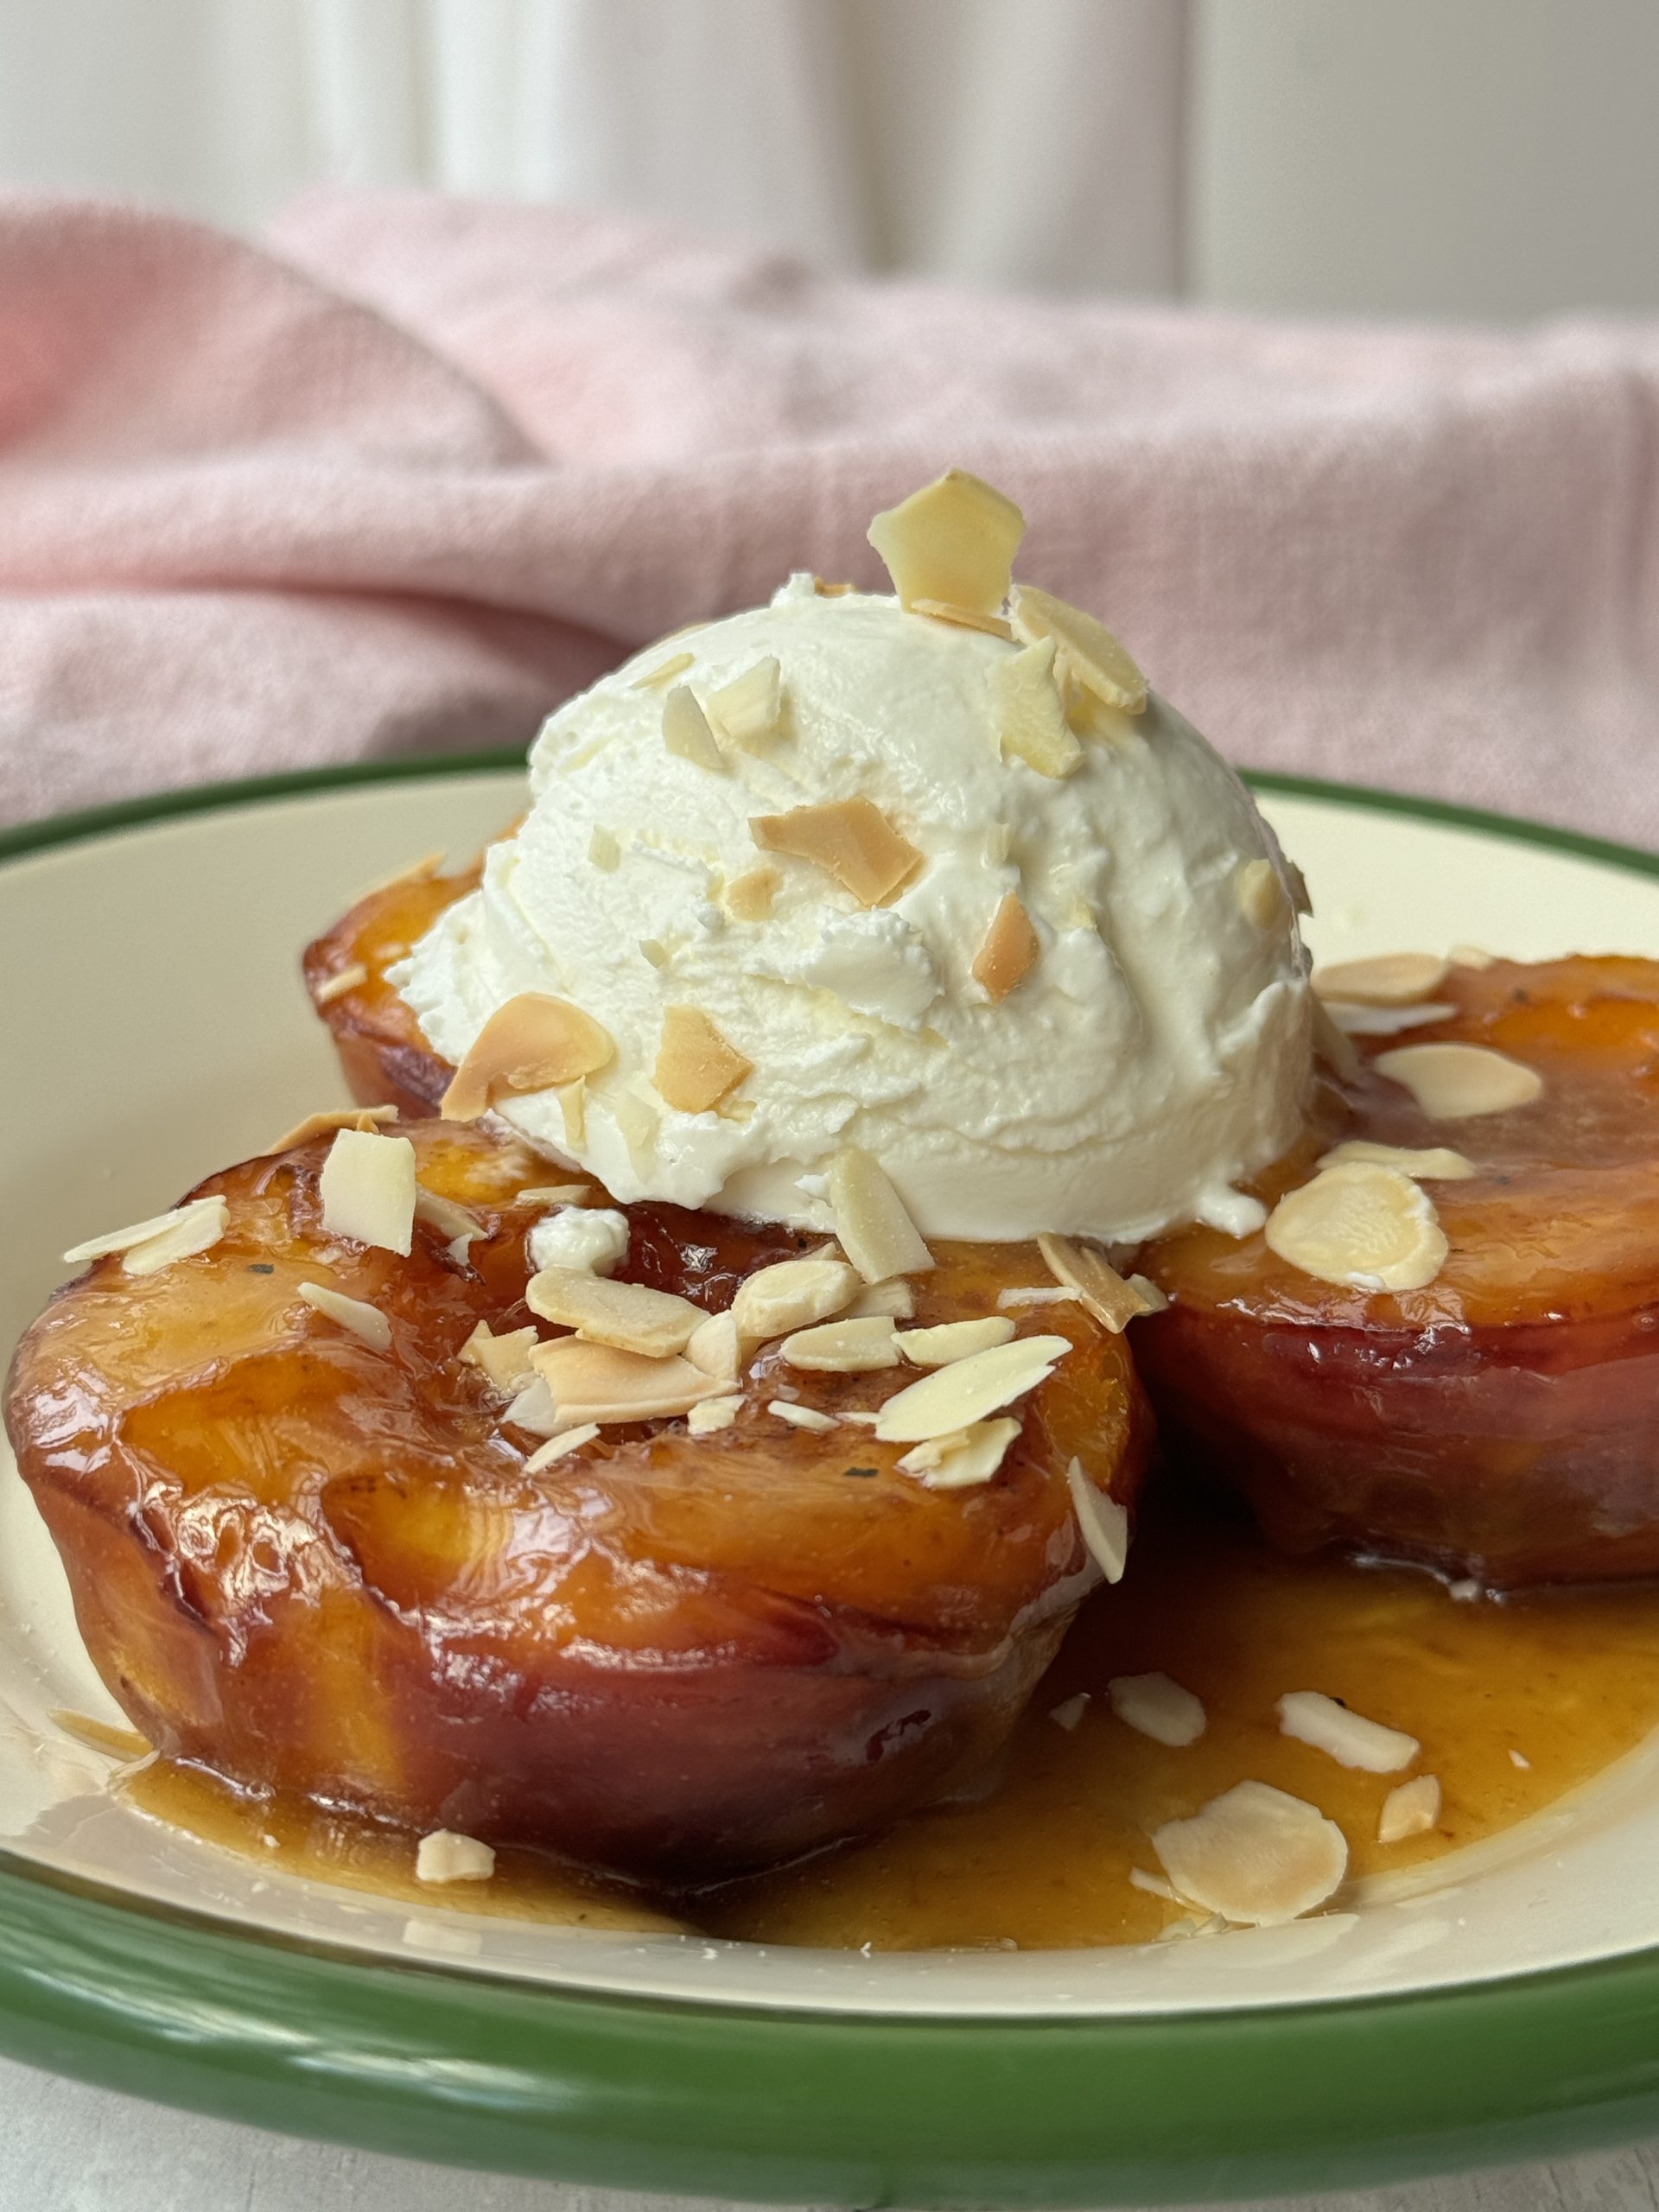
(1155, 1054)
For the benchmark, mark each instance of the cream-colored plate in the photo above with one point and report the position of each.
(155, 1028)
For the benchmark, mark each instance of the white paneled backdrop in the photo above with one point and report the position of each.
(1474, 158)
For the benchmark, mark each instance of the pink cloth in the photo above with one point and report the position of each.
(407, 486)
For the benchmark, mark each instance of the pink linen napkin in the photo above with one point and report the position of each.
(405, 487)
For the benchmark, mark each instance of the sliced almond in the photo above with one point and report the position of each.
(1069, 1712)
(965, 1458)
(1009, 950)
(1425, 1164)
(628, 1315)
(1451, 1082)
(1018, 1294)
(1092, 655)
(1261, 895)
(356, 1314)
(1081, 1271)
(591, 1382)
(791, 1295)
(200, 1225)
(1367, 1227)
(1153, 1884)
(664, 672)
(534, 1409)
(420, 871)
(713, 1346)
(1470, 956)
(1255, 1855)
(1339, 1053)
(572, 1111)
(964, 618)
(1030, 724)
(895, 1298)
(604, 852)
(876, 1233)
(324, 1125)
(842, 1347)
(711, 1414)
(657, 953)
(1356, 1020)
(553, 1194)
(1155, 1705)
(559, 1447)
(746, 712)
(367, 1188)
(445, 1856)
(442, 1214)
(340, 984)
(1310, 1717)
(535, 1042)
(832, 591)
(801, 1416)
(505, 1360)
(952, 542)
(1412, 1809)
(954, 1340)
(851, 839)
(197, 1213)
(1388, 979)
(1103, 1522)
(749, 897)
(639, 1121)
(686, 731)
(956, 1396)
(696, 1066)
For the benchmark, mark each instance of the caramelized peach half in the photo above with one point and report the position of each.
(386, 1060)
(329, 1569)
(1502, 1421)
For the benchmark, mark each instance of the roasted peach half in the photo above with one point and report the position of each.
(1502, 1422)
(386, 1060)
(324, 1568)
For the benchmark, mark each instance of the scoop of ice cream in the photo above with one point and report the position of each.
(796, 858)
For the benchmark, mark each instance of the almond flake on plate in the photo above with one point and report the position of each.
(664, 672)
(445, 1856)
(696, 1066)
(1388, 979)
(1083, 1275)
(956, 1397)
(1255, 1855)
(1452, 1082)
(195, 1215)
(876, 1232)
(1102, 1523)
(749, 897)
(1030, 724)
(954, 1340)
(591, 1382)
(325, 1124)
(1364, 1226)
(1427, 1163)
(1009, 952)
(505, 1360)
(791, 1295)
(842, 1347)
(1155, 1705)
(560, 1447)
(953, 541)
(337, 986)
(1093, 656)
(709, 1416)
(746, 711)
(1310, 1717)
(965, 618)
(962, 1459)
(1069, 1712)
(851, 839)
(1412, 1809)
(535, 1042)
(356, 1314)
(367, 1188)
(628, 1315)
(800, 1416)
(1261, 895)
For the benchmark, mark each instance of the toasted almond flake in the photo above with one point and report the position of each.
(200, 1226)
(831, 591)
(1450, 1083)
(325, 1124)
(842, 1347)
(534, 1409)
(1426, 1164)
(953, 542)
(1092, 655)
(686, 731)
(1470, 956)
(442, 1214)
(851, 839)
(749, 897)
(709, 1416)
(696, 1066)
(1310, 1717)
(368, 1190)
(713, 1346)
(1255, 1855)
(572, 1111)
(965, 1458)
(1412, 1809)
(1070, 1712)
(505, 1360)
(1103, 1522)
(420, 871)
(965, 1392)
(638, 1122)
(343, 980)
(664, 672)
(964, 618)
(444, 1856)
(953, 1340)
(356, 1314)
(1356, 1020)
(861, 1416)
(876, 1233)
(1367, 1227)
(554, 1194)
(1153, 1299)
(598, 1382)
(791, 1295)
(1155, 1705)
(1009, 950)
(628, 1315)
(145, 1232)
(1388, 979)
(1260, 895)
(535, 1042)
(1520, 1759)
(746, 712)
(1018, 1294)
(604, 852)
(895, 1298)
(1103, 1293)
(1153, 1884)
(800, 1416)
(558, 1447)
(1030, 713)
(460, 1249)
(1339, 1053)
(655, 951)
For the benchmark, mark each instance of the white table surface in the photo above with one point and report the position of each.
(65, 2148)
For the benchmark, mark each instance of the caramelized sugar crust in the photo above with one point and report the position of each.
(1503, 1422)
(317, 1567)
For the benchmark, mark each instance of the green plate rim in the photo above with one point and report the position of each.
(786, 2107)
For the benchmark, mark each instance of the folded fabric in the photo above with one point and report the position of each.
(406, 479)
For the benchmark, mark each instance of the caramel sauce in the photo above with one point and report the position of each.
(1039, 1856)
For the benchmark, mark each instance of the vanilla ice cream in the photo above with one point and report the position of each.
(1150, 1050)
